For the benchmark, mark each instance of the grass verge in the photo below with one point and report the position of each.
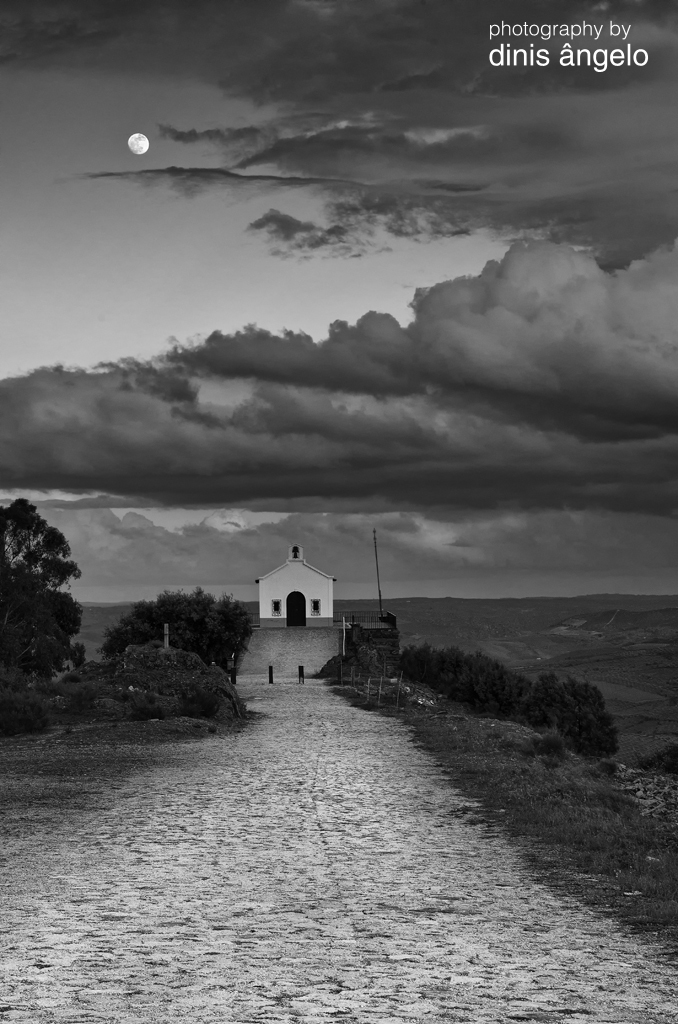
(578, 831)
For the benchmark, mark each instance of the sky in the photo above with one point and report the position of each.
(366, 276)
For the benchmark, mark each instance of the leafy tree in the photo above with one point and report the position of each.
(38, 619)
(575, 709)
(214, 628)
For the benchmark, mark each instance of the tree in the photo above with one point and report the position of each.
(575, 709)
(214, 628)
(38, 619)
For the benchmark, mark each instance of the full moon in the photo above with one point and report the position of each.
(138, 143)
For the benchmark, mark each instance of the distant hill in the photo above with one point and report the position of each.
(625, 644)
(467, 623)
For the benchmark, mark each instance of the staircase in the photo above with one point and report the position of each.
(288, 647)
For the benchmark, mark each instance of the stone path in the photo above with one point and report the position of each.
(312, 868)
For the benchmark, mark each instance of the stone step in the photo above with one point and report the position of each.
(286, 648)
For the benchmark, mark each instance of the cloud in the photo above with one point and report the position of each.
(398, 98)
(192, 180)
(302, 236)
(541, 383)
(131, 553)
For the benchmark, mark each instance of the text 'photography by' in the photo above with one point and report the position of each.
(339, 511)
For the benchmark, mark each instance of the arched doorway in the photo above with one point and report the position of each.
(296, 609)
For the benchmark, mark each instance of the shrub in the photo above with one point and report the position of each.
(79, 695)
(21, 711)
(665, 760)
(200, 703)
(483, 683)
(144, 706)
(551, 744)
(575, 709)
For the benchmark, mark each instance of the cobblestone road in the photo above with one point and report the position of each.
(312, 868)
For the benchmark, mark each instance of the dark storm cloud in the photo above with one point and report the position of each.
(543, 382)
(565, 153)
(114, 551)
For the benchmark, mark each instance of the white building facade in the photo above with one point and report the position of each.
(296, 594)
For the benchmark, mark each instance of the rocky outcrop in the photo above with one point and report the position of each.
(171, 672)
(374, 651)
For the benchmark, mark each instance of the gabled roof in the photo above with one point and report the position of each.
(301, 561)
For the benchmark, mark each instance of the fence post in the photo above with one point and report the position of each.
(301, 673)
(165, 636)
(270, 674)
(398, 694)
(379, 694)
(369, 679)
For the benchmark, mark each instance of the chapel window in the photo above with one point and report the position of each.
(315, 606)
(276, 607)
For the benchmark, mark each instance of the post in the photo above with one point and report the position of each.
(368, 686)
(233, 675)
(352, 675)
(398, 694)
(301, 673)
(165, 639)
(379, 694)
(341, 673)
(343, 637)
(376, 558)
(270, 674)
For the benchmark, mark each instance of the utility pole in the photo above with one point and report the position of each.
(376, 558)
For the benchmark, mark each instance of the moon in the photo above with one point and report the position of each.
(138, 143)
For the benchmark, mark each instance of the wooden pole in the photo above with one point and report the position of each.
(165, 639)
(368, 686)
(379, 694)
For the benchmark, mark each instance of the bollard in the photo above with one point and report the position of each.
(301, 673)
(270, 674)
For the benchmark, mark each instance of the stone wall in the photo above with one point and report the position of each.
(374, 651)
(286, 649)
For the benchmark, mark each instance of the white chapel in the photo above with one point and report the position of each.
(296, 594)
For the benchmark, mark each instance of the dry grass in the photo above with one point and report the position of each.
(577, 829)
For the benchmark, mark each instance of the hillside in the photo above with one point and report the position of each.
(626, 644)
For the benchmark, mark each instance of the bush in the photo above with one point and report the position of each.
(665, 760)
(575, 709)
(21, 711)
(144, 706)
(551, 744)
(213, 628)
(474, 679)
(200, 703)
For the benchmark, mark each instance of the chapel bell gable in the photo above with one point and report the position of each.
(296, 594)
